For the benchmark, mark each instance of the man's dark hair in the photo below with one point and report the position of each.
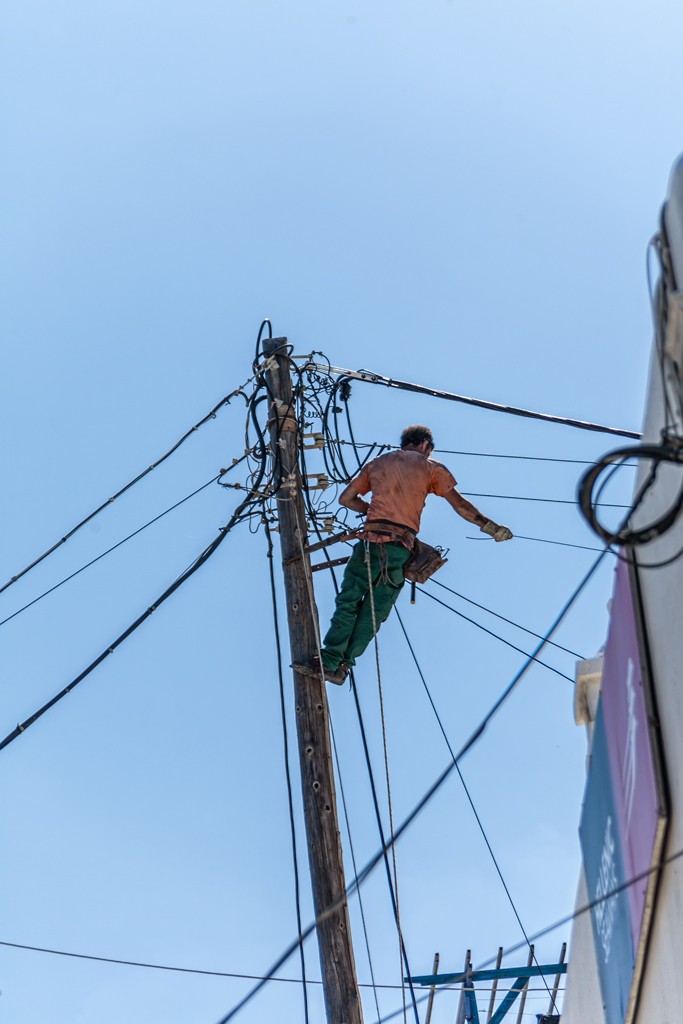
(416, 435)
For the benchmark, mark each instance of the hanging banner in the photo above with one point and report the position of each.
(624, 814)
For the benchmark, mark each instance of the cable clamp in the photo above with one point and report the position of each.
(369, 375)
(20, 727)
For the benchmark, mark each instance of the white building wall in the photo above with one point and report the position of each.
(582, 999)
(661, 992)
(662, 986)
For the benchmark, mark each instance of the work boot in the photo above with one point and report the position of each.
(315, 670)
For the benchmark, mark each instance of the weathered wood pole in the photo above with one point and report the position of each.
(342, 998)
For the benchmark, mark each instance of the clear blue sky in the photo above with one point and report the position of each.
(455, 194)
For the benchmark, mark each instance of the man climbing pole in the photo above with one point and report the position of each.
(400, 482)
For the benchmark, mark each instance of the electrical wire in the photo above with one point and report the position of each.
(199, 561)
(131, 483)
(495, 635)
(511, 622)
(368, 762)
(430, 793)
(345, 472)
(669, 451)
(375, 378)
(526, 497)
(543, 540)
(371, 595)
(355, 870)
(183, 970)
(298, 391)
(113, 547)
(288, 776)
(240, 513)
(156, 967)
(483, 455)
(385, 845)
(469, 797)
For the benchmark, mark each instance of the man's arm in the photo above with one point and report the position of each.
(472, 514)
(465, 508)
(350, 498)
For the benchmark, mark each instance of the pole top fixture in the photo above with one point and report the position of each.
(270, 345)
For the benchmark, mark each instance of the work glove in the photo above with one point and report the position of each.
(497, 532)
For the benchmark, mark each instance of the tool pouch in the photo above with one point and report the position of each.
(424, 561)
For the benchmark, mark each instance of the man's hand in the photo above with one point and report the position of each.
(497, 532)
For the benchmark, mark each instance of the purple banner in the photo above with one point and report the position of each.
(629, 746)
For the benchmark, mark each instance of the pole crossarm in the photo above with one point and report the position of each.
(468, 977)
(521, 973)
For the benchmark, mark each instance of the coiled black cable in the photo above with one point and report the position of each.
(669, 451)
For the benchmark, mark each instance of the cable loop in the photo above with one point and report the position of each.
(669, 451)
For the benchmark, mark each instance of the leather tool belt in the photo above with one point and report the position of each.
(424, 561)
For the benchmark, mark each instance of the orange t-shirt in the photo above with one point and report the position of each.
(400, 482)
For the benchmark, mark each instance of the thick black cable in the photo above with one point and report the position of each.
(332, 404)
(264, 323)
(210, 415)
(238, 514)
(288, 776)
(669, 451)
(495, 635)
(429, 794)
(376, 378)
(112, 548)
(206, 554)
(361, 462)
(470, 800)
(458, 979)
(386, 844)
(355, 868)
(397, 1013)
(511, 622)
(585, 908)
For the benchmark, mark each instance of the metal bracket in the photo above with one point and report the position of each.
(318, 441)
(331, 564)
(323, 481)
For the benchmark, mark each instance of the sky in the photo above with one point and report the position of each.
(455, 195)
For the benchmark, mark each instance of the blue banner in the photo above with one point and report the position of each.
(604, 866)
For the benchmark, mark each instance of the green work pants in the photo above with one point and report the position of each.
(351, 629)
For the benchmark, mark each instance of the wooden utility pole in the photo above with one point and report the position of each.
(342, 998)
